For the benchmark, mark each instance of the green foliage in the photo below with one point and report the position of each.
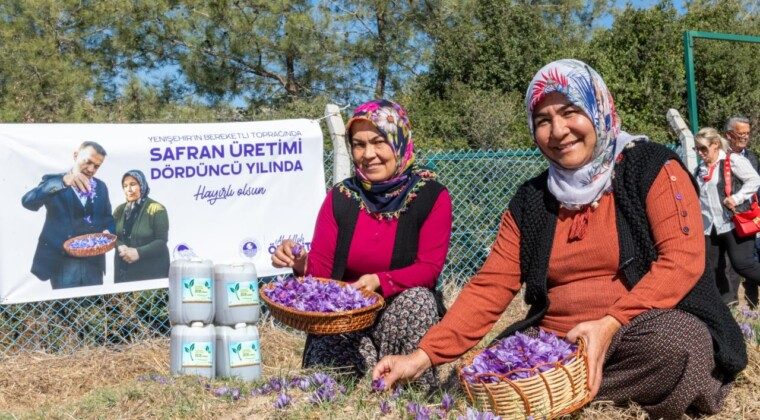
(641, 59)
(460, 66)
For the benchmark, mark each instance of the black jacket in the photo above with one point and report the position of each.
(535, 211)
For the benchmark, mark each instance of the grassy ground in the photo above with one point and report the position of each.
(134, 382)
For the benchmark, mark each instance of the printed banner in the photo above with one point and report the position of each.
(226, 192)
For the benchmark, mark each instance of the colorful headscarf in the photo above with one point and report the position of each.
(144, 191)
(388, 198)
(584, 88)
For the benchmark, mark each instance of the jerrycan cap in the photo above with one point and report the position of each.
(196, 324)
(240, 325)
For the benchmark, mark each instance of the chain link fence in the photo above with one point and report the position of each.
(480, 182)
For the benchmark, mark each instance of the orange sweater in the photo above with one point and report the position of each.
(584, 283)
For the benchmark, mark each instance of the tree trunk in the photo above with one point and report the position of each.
(382, 56)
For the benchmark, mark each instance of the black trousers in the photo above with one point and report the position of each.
(740, 251)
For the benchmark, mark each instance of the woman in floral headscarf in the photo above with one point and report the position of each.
(608, 243)
(385, 229)
(142, 229)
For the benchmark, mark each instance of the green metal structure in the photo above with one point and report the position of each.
(688, 46)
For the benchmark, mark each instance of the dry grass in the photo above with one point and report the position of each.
(103, 383)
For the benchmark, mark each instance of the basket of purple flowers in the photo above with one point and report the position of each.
(524, 376)
(321, 306)
(90, 244)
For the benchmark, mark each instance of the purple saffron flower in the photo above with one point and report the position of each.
(378, 385)
(322, 394)
(276, 384)
(88, 194)
(411, 408)
(90, 241)
(207, 386)
(476, 415)
(396, 393)
(518, 352)
(235, 394)
(342, 389)
(302, 383)
(221, 391)
(321, 379)
(749, 314)
(747, 330)
(418, 411)
(297, 249)
(312, 295)
(385, 407)
(283, 400)
(447, 402)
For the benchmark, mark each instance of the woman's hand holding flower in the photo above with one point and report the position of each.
(369, 282)
(598, 335)
(401, 368)
(285, 256)
(79, 180)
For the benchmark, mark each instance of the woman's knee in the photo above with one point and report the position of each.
(678, 336)
(420, 298)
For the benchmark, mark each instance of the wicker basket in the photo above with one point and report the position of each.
(325, 323)
(89, 252)
(550, 394)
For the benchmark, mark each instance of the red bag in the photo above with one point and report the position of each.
(747, 223)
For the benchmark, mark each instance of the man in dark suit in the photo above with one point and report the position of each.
(737, 134)
(76, 203)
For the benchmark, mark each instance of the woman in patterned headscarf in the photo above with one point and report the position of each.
(142, 229)
(385, 229)
(608, 243)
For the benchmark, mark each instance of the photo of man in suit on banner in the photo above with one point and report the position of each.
(76, 203)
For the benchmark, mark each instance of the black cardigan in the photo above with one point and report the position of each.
(535, 211)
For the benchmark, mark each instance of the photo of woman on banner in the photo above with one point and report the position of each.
(385, 229)
(76, 203)
(142, 228)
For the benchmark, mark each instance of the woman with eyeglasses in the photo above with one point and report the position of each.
(718, 208)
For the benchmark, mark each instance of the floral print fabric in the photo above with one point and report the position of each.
(387, 199)
(583, 87)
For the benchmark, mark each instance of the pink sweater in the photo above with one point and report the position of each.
(372, 247)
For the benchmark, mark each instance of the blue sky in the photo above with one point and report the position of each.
(155, 75)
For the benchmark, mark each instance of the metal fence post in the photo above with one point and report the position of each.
(337, 129)
(685, 136)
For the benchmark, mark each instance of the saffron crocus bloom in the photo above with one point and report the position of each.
(747, 330)
(283, 400)
(221, 391)
(447, 402)
(476, 415)
(518, 352)
(378, 384)
(321, 379)
(297, 249)
(90, 242)
(385, 407)
(88, 194)
(311, 295)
